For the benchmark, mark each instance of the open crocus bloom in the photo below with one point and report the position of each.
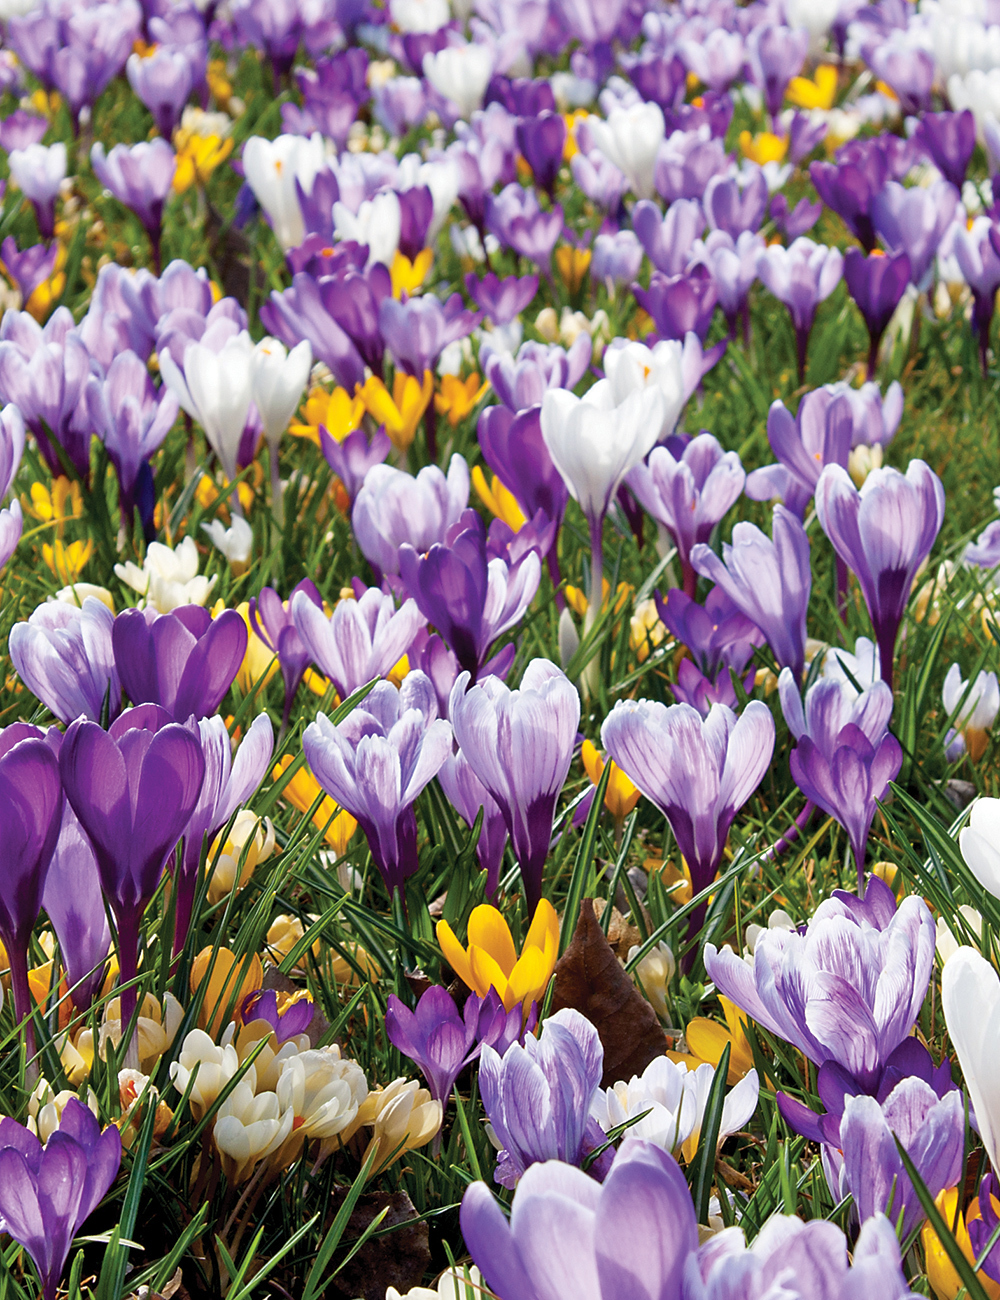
(491, 960)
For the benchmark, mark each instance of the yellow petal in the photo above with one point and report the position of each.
(544, 931)
(454, 954)
(593, 763)
(529, 978)
(486, 975)
(489, 931)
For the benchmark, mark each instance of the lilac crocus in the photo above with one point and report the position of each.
(698, 771)
(416, 332)
(394, 507)
(376, 762)
(523, 381)
(668, 240)
(501, 300)
(162, 79)
(913, 221)
(736, 203)
(908, 71)
(271, 619)
(680, 304)
(134, 789)
(514, 449)
(47, 1193)
(32, 267)
(21, 128)
(883, 534)
(849, 186)
(470, 589)
(686, 161)
(467, 795)
(541, 140)
(716, 59)
(658, 77)
(301, 312)
(795, 222)
(362, 639)
(801, 277)
(733, 266)
(617, 259)
(820, 434)
(295, 1019)
(520, 743)
(442, 1041)
(184, 661)
(844, 757)
(519, 222)
(140, 177)
(132, 417)
(538, 1096)
(352, 457)
(846, 990)
(38, 171)
(74, 904)
(354, 299)
(775, 56)
(877, 284)
(949, 140)
(769, 580)
(229, 782)
(690, 494)
(977, 252)
(64, 655)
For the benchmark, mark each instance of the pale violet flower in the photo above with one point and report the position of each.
(973, 707)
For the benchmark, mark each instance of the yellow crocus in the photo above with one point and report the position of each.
(67, 562)
(491, 960)
(497, 499)
(941, 1272)
(579, 601)
(197, 157)
(403, 409)
(817, 93)
(621, 795)
(647, 630)
(301, 791)
(572, 264)
(338, 412)
(763, 148)
(217, 76)
(459, 396)
(63, 501)
(231, 979)
(407, 276)
(707, 1039)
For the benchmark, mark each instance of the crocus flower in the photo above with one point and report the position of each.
(47, 1193)
(471, 588)
(74, 904)
(287, 1022)
(973, 707)
(680, 304)
(376, 762)
(718, 634)
(134, 789)
(442, 1041)
(377, 225)
(363, 638)
(140, 177)
(617, 259)
(38, 171)
(64, 655)
(970, 1000)
(796, 221)
(820, 434)
(353, 456)
(776, 55)
(975, 251)
(768, 580)
(32, 267)
(21, 128)
(716, 59)
(565, 1236)
(184, 661)
(279, 379)
(907, 71)
(847, 989)
(632, 367)
(501, 300)
(949, 140)
(538, 1096)
(162, 78)
(688, 495)
(698, 771)
(736, 204)
(301, 312)
(913, 221)
(460, 73)
(520, 745)
(850, 185)
(517, 219)
(523, 381)
(801, 277)
(467, 795)
(272, 168)
(491, 961)
(271, 619)
(215, 387)
(877, 284)
(883, 533)
(733, 265)
(541, 140)
(630, 138)
(686, 162)
(30, 813)
(394, 507)
(978, 842)
(417, 331)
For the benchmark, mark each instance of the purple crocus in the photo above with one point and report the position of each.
(184, 661)
(32, 267)
(376, 762)
(20, 129)
(362, 639)
(301, 312)
(845, 989)
(769, 580)
(394, 507)
(140, 177)
(775, 56)
(519, 222)
(471, 588)
(716, 58)
(690, 494)
(685, 163)
(442, 1041)
(30, 812)
(733, 266)
(354, 299)
(849, 186)
(64, 655)
(801, 277)
(74, 904)
(271, 619)
(668, 240)
(520, 743)
(523, 381)
(949, 140)
(352, 457)
(658, 77)
(698, 771)
(820, 434)
(134, 789)
(795, 222)
(680, 304)
(295, 1019)
(501, 300)
(721, 641)
(537, 1096)
(467, 795)
(541, 139)
(736, 203)
(913, 221)
(417, 331)
(908, 71)
(877, 284)
(977, 251)
(163, 79)
(47, 1193)
(981, 1230)
(883, 534)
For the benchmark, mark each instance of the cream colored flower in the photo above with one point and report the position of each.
(654, 974)
(158, 1026)
(250, 842)
(76, 1054)
(168, 578)
(946, 943)
(248, 1128)
(45, 1108)
(453, 1284)
(216, 1066)
(79, 591)
(403, 1117)
(270, 1060)
(135, 1089)
(325, 1091)
(862, 461)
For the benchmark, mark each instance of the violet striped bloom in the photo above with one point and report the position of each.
(352, 457)
(501, 300)
(39, 170)
(523, 381)
(801, 277)
(394, 507)
(775, 55)
(416, 332)
(467, 795)
(883, 534)
(768, 580)
(354, 299)
(376, 762)
(519, 222)
(736, 204)
(680, 304)
(668, 240)
(74, 903)
(64, 655)
(877, 284)
(520, 745)
(32, 267)
(820, 434)
(844, 990)
(361, 639)
(271, 619)
(140, 177)
(913, 221)
(719, 638)
(541, 139)
(163, 79)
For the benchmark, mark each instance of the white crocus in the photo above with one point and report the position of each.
(630, 138)
(453, 1284)
(377, 223)
(234, 542)
(272, 167)
(980, 844)
(324, 1090)
(249, 1127)
(461, 73)
(279, 380)
(216, 1066)
(216, 389)
(973, 708)
(169, 577)
(249, 842)
(632, 367)
(38, 170)
(970, 999)
(403, 1117)
(945, 941)
(654, 973)
(419, 16)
